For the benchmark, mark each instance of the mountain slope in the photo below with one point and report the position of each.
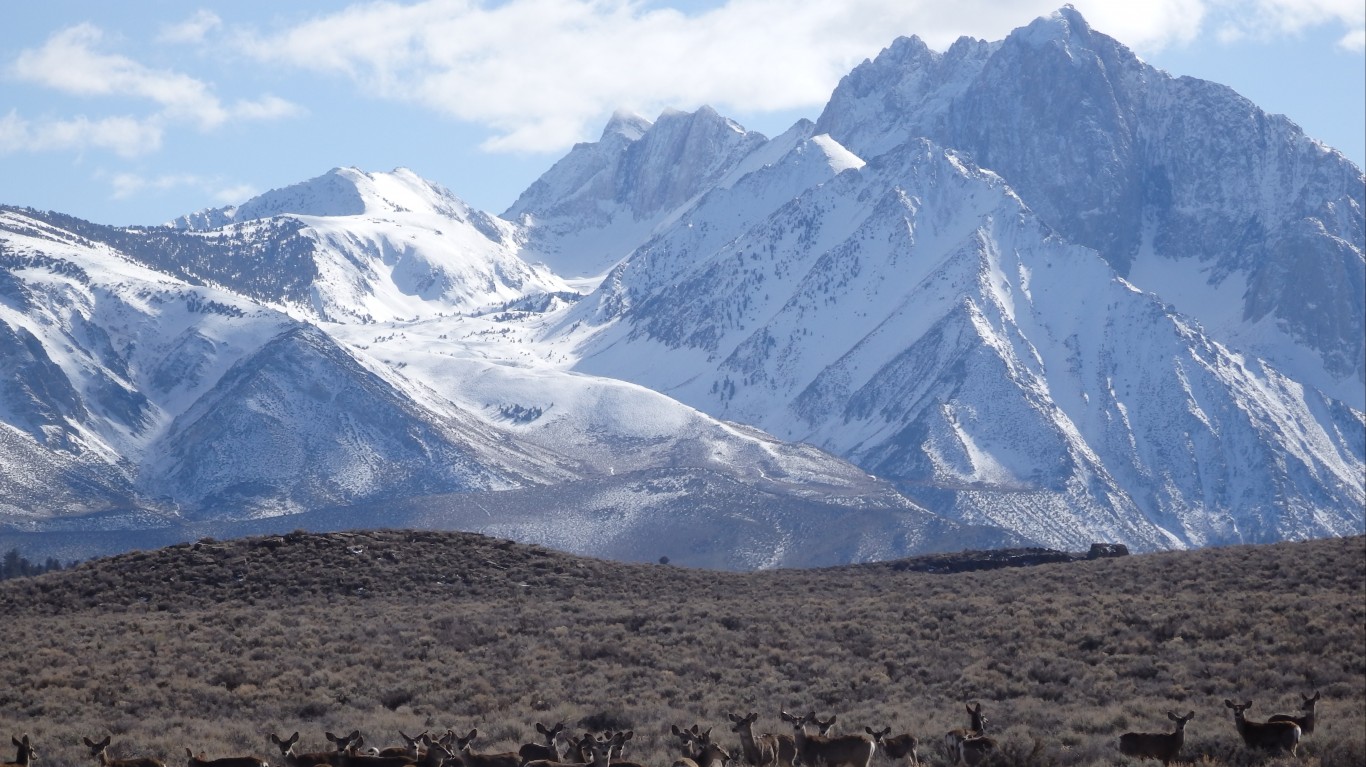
(1182, 185)
(913, 316)
(133, 400)
(362, 247)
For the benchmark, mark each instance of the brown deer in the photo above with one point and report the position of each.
(766, 750)
(976, 728)
(227, 761)
(101, 753)
(1275, 736)
(352, 755)
(698, 748)
(1305, 720)
(688, 743)
(550, 750)
(824, 727)
(832, 751)
(26, 754)
(315, 759)
(599, 751)
(896, 747)
(469, 758)
(1163, 746)
(409, 749)
(974, 751)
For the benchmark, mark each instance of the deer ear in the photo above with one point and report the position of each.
(1190, 716)
(1228, 703)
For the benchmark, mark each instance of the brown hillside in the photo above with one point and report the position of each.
(218, 644)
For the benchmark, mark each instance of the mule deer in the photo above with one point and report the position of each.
(101, 753)
(1305, 720)
(409, 748)
(976, 728)
(1282, 736)
(26, 754)
(550, 750)
(469, 758)
(1163, 746)
(896, 747)
(821, 751)
(599, 752)
(227, 761)
(351, 754)
(973, 751)
(315, 759)
(766, 750)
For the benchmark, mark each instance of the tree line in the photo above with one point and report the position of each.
(15, 565)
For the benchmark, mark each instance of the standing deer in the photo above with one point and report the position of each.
(698, 748)
(469, 758)
(1306, 720)
(689, 744)
(550, 750)
(765, 750)
(822, 751)
(977, 728)
(101, 753)
(1163, 746)
(315, 759)
(1281, 736)
(896, 747)
(599, 753)
(409, 748)
(227, 761)
(26, 754)
(824, 727)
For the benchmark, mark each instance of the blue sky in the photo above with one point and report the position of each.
(135, 112)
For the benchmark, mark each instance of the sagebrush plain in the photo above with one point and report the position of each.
(217, 645)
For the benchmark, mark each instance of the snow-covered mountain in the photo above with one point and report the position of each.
(915, 317)
(1025, 291)
(595, 205)
(134, 400)
(368, 247)
(1187, 189)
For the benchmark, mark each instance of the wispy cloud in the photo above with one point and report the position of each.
(125, 136)
(192, 30)
(70, 62)
(1266, 19)
(126, 185)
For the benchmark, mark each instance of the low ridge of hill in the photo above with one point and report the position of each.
(215, 645)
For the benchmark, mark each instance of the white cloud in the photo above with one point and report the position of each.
(70, 62)
(125, 136)
(192, 30)
(1269, 19)
(127, 185)
(234, 194)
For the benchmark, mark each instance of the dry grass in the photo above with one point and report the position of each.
(216, 646)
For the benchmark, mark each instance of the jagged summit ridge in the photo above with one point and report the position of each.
(603, 198)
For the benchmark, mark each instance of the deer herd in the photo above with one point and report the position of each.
(801, 747)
